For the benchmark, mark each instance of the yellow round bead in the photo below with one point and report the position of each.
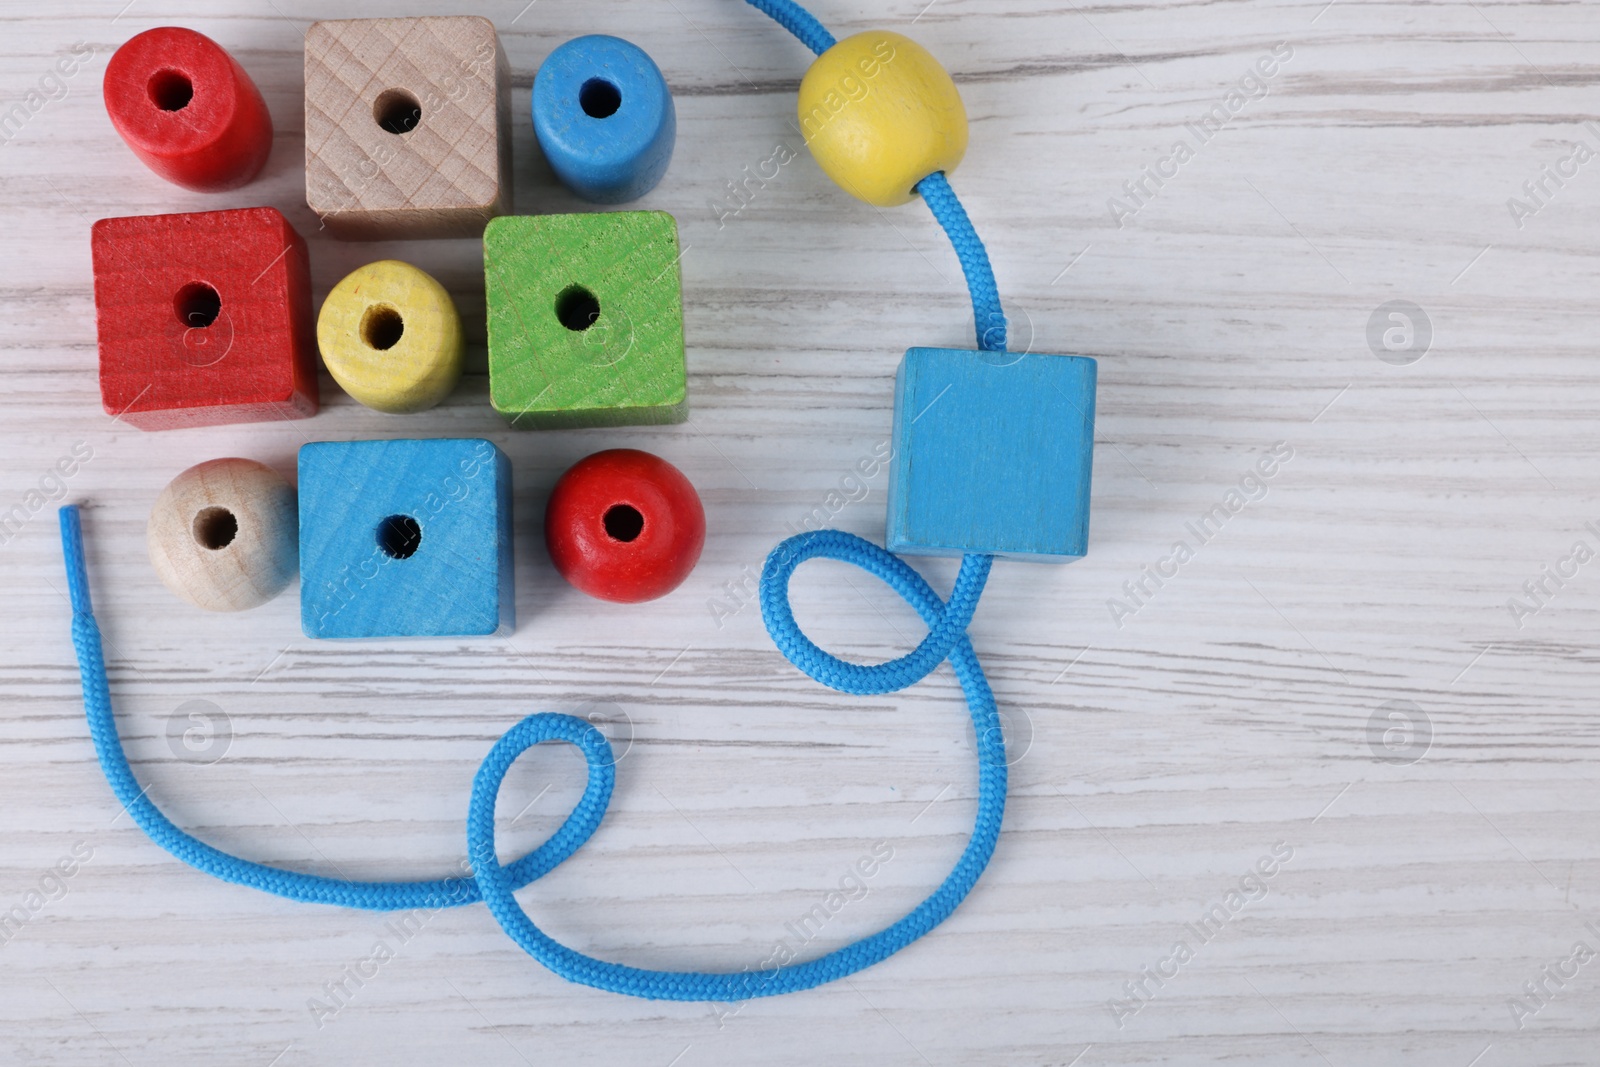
(881, 114)
(391, 338)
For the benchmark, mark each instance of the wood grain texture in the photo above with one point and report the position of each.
(224, 535)
(390, 335)
(407, 126)
(992, 453)
(405, 538)
(1155, 763)
(203, 318)
(585, 319)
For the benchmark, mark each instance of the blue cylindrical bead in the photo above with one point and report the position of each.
(604, 118)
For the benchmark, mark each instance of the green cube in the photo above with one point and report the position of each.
(585, 319)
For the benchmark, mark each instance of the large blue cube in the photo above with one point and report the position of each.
(992, 453)
(405, 539)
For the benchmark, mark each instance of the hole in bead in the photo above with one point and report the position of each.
(382, 327)
(397, 111)
(215, 528)
(623, 522)
(599, 98)
(170, 90)
(197, 305)
(399, 536)
(577, 308)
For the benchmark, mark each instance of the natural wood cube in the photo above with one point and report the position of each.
(407, 126)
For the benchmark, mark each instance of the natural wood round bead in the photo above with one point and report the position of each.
(223, 535)
(880, 115)
(391, 337)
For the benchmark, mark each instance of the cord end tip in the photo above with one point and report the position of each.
(72, 551)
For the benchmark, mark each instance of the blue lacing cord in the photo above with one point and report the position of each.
(798, 21)
(947, 625)
(493, 882)
(377, 896)
(776, 977)
(988, 318)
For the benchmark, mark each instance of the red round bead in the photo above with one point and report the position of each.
(188, 110)
(624, 525)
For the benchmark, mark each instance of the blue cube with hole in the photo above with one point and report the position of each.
(992, 453)
(405, 539)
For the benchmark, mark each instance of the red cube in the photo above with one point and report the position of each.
(204, 319)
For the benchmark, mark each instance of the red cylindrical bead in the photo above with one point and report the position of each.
(187, 109)
(624, 525)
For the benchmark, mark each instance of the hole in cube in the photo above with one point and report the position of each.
(623, 522)
(399, 536)
(197, 305)
(397, 111)
(599, 98)
(215, 528)
(170, 90)
(382, 326)
(577, 308)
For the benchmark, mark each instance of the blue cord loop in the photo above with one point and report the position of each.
(494, 882)
(775, 976)
(947, 625)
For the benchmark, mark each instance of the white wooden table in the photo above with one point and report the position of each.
(1443, 853)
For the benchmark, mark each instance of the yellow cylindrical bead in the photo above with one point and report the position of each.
(224, 535)
(391, 337)
(881, 114)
